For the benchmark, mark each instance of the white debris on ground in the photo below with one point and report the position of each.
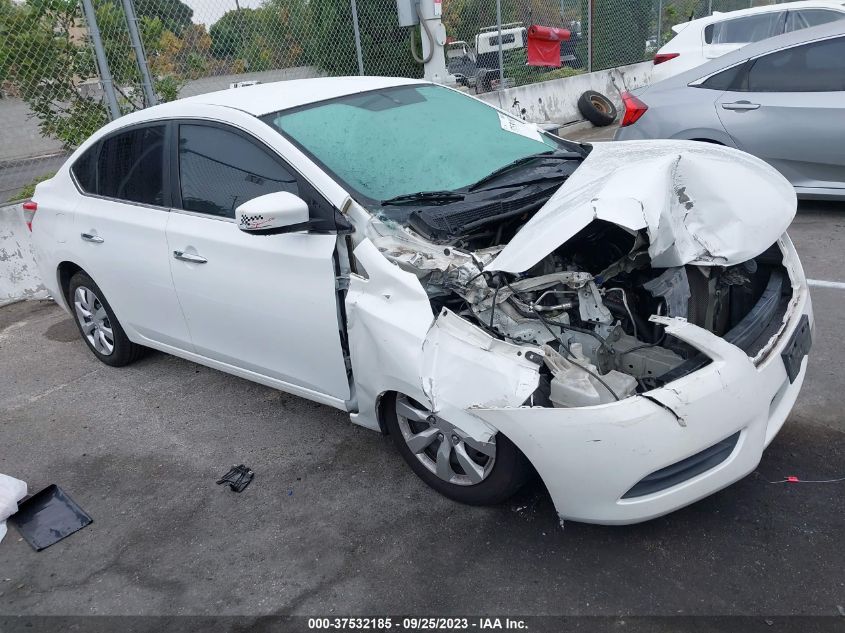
(11, 491)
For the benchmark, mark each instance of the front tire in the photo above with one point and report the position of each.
(97, 323)
(449, 461)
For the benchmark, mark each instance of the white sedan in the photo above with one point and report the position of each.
(698, 41)
(629, 319)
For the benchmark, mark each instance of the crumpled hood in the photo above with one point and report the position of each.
(699, 204)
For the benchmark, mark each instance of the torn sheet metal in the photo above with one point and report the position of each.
(388, 315)
(699, 204)
(465, 367)
(396, 344)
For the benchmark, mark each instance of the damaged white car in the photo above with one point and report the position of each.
(630, 319)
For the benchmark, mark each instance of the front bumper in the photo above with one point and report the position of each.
(590, 457)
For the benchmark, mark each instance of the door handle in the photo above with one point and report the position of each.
(189, 257)
(741, 105)
(95, 239)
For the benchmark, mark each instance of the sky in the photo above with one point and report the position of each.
(209, 11)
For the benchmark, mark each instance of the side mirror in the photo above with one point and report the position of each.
(279, 212)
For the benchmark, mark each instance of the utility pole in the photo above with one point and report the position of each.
(433, 41)
(102, 62)
(590, 38)
(140, 56)
(659, 23)
(501, 55)
(357, 37)
(426, 14)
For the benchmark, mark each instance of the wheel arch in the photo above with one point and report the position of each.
(707, 140)
(64, 272)
(706, 135)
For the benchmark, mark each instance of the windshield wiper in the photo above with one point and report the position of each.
(425, 196)
(522, 161)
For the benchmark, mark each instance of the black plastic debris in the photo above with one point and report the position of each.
(48, 516)
(238, 478)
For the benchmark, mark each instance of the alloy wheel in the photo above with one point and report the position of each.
(443, 448)
(93, 320)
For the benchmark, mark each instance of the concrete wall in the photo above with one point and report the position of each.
(19, 277)
(557, 100)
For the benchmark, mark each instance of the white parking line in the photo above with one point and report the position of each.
(820, 283)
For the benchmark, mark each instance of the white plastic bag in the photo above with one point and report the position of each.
(11, 491)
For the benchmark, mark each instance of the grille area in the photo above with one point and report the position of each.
(684, 469)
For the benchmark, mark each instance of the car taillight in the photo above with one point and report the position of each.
(664, 57)
(29, 209)
(634, 109)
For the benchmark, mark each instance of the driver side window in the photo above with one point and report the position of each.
(219, 170)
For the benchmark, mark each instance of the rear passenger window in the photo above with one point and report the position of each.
(85, 170)
(752, 28)
(219, 170)
(130, 166)
(724, 80)
(815, 67)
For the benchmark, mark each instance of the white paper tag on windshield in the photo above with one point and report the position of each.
(519, 127)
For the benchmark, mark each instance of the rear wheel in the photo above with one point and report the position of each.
(97, 323)
(451, 462)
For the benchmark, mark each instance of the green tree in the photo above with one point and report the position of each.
(386, 47)
(173, 14)
(230, 34)
(47, 60)
(42, 60)
(270, 36)
(620, 30)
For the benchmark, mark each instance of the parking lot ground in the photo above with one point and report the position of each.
(335, 523)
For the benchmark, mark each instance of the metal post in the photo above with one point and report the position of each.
(659, 23)
(501, 56)
(710, 6)
(357, 37)
(102, 63)
(138, 46)
(590, 37)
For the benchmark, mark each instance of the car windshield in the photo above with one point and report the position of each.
(408, 139)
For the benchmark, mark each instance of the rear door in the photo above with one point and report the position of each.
(728, 35)
(119, 229)
(264, 304)
(788, 108)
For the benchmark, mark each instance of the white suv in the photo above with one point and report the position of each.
(699, 40)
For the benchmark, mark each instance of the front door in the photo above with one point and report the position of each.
(263, 304)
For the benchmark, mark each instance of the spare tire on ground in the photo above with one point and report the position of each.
(596, 108)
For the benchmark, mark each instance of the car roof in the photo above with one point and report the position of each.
(792, 6)
(831, 29)
(263, 99)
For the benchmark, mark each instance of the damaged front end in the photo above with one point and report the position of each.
(584, 307)
(643, 295)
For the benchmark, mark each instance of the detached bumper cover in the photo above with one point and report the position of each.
(590, 458)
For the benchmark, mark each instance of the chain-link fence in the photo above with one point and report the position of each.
(69, 66)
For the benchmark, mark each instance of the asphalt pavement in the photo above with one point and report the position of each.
(335, 523)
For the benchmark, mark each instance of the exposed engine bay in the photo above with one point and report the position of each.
(582, 312)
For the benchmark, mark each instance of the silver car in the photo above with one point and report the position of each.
(782, 99)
